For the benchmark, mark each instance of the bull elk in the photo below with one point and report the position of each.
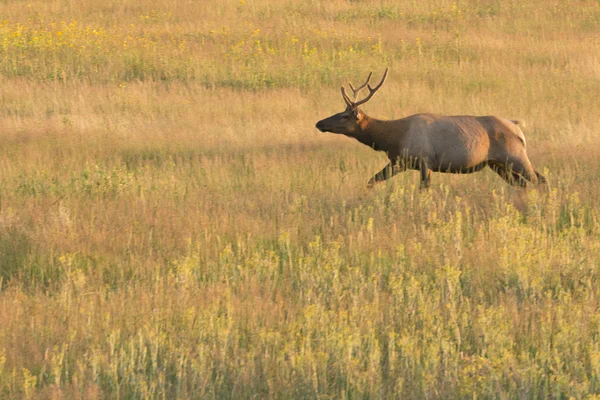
(429, 142)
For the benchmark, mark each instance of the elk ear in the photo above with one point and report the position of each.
(357, 113)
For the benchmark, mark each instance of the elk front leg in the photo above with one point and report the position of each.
(425, 174)
(386, 173)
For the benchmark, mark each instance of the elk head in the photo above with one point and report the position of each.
(348, 121)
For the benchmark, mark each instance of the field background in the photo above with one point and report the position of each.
(172, 225)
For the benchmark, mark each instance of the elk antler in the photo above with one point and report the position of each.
(360, 87)
(372, 91)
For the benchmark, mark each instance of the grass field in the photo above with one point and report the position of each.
(172, 225)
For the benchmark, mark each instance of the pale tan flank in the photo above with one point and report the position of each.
(429, 142)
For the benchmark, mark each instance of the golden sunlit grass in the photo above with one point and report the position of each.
(172, 225)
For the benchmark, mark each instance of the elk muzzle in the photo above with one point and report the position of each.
(320, 126)
(333, 124)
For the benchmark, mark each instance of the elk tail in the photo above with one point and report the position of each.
(519, 132)
(519, 122)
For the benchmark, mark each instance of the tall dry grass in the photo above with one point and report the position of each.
(173, 226)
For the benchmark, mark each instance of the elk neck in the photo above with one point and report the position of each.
(373, 132)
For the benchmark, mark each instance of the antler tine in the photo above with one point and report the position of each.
(372, 90)
(346, 98)
(361, 87)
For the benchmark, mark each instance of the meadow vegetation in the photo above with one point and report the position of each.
(172, 225)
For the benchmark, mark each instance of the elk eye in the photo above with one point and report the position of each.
(344, 117)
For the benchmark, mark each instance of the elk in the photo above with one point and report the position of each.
(428, 142)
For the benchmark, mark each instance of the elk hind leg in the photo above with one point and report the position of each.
(516, 172)
(521, 169)
(503, 171)
(541, 178)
